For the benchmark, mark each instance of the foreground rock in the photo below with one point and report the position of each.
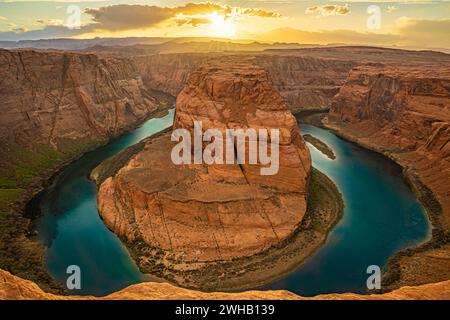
(15, 288)
(405, 114)
(209, 213)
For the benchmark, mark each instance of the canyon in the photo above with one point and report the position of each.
(305, 82)
(404, 113)
(58, 105)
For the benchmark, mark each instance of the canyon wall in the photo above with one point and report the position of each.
(304, 82)
(169, 72)
(54, 106)
(50, 97)
(404, 112)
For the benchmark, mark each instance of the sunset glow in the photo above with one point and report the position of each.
(221, 27)
(420, 24)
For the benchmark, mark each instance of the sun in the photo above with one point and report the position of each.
(221, 27)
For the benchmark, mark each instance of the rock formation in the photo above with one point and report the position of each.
(307, 78)
(304, 82)
(69, 102)
(15, 288)
(199, 212)
(54, 107)
(404, 112)
(51, 97)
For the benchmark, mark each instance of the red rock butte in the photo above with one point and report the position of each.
(213, 212)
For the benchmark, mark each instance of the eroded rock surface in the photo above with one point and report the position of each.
(15, 288)
(404, 112)
(51, 97)
(304, 82)
(213, 212)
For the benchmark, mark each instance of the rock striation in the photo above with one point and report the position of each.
(54, 107)
(51, 97)
(218, 212)
(404, 112)
(304, 82)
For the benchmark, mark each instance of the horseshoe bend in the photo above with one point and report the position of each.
(192, 223)
(213, 226)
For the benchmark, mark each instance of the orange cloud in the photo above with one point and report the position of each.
(328, 10)
(127, 17)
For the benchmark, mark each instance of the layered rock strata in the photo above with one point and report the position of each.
(218, 212)
(405, 114)
(49, 97)
(54, 107)
(304, 82)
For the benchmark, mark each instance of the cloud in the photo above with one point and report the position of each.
(127, 17)
(328, 10)
(408, 32)
(124, 17)
(50, 22)
(391, 9)
(260, 13)
(3, 18)
(433, 33)
(48, 32)
(192, 21)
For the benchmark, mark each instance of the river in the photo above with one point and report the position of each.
(381, 216)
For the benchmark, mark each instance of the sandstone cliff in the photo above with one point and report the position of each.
(304, 82)
(205, 213)
(169, 72)
(55, 106)
(404, 112)
(49, 97)
(15, 288)
(307, 78)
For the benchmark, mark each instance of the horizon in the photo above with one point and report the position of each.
(392, 24)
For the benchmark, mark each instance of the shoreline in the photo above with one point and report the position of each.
(24, 209)
(437, 237)
(391, 268)
(320, 145)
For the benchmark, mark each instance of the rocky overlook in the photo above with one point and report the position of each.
(213, 212)
(12, 287)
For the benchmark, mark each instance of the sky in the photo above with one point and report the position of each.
(418, 23)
